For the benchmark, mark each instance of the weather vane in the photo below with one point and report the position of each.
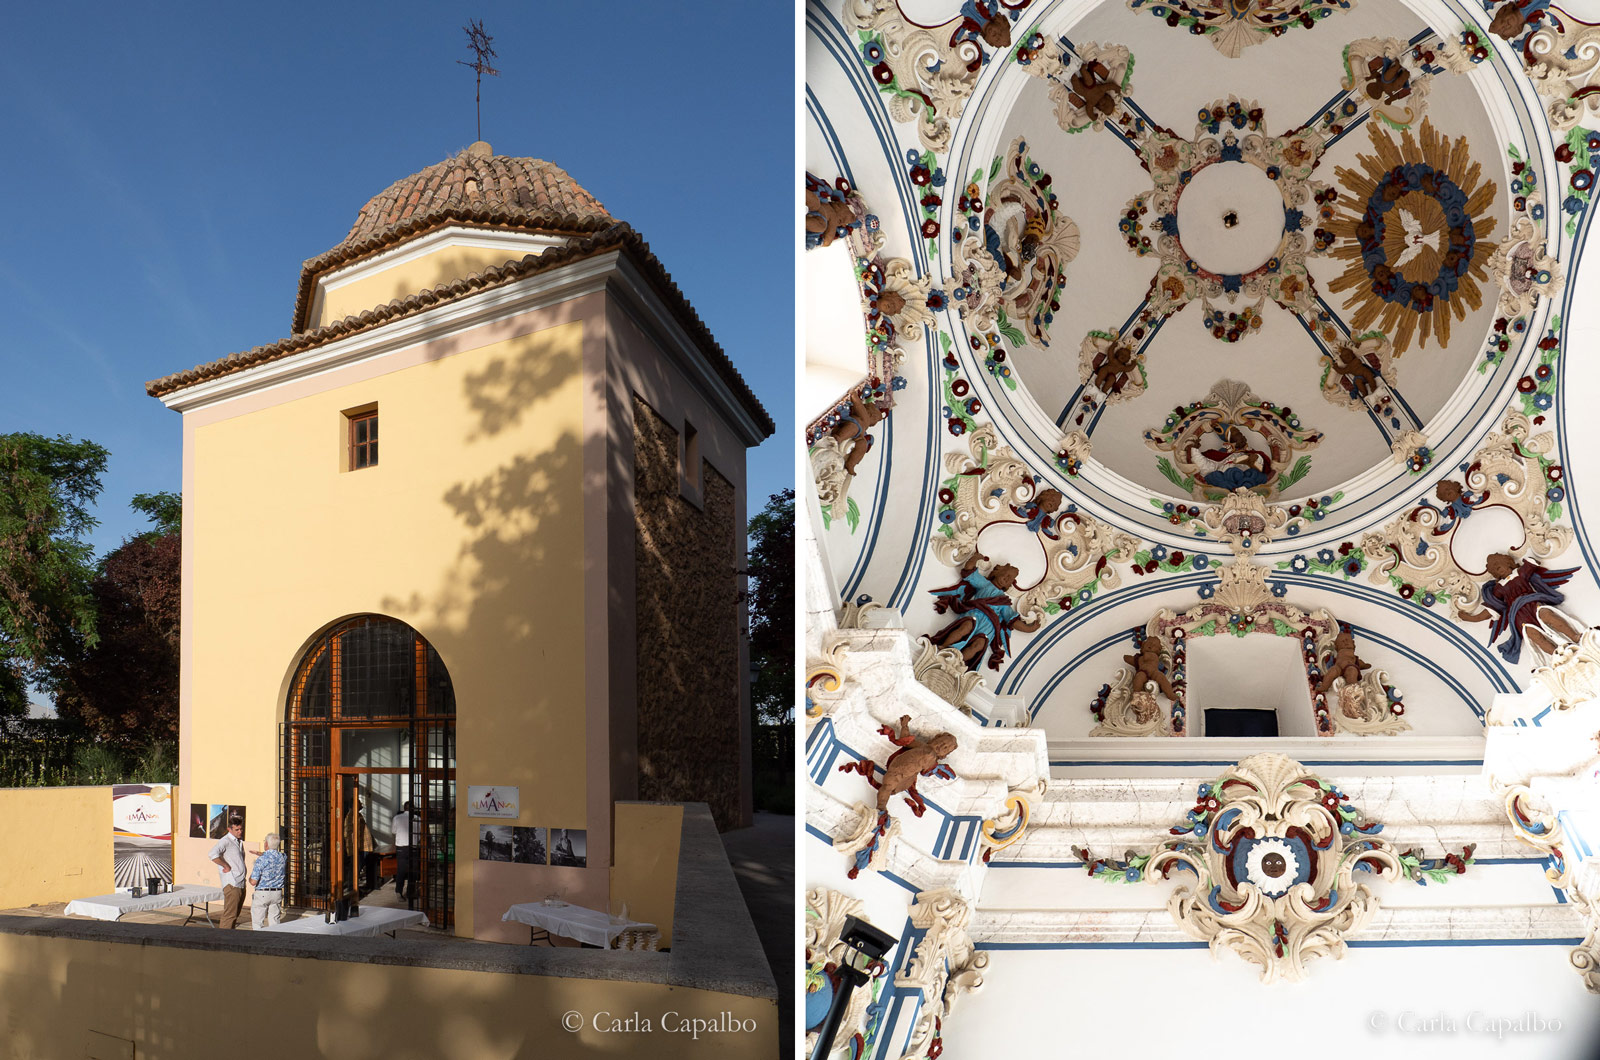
(482, 46)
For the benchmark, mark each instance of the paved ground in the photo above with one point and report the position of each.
(763, 860)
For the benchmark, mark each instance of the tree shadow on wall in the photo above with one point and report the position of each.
(511, 600)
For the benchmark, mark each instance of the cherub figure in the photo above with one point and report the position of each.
(989, 617)
(916, 758)
(1346, 664)
(1118, 363)
(1519, 599)
(856, 418)
(1357, 373)
(1039, 513)
(1147, 668)
(1093, 91)
(1387, 79)
(828, 215)
(1458, 503)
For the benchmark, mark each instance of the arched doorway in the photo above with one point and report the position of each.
(370, 715)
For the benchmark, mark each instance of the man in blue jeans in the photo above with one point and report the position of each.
(405, 847)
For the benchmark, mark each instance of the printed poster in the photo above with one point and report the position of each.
(491, 801)
(141, 833)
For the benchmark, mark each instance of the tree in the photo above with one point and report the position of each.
(47, 613)
(124, 689)
(164, 509)
(772, 609)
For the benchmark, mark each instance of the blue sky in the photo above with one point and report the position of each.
(169, 167)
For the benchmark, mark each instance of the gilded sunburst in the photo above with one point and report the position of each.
(1418, 247)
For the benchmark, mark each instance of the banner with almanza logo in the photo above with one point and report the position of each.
(141, 833)
(491, 801)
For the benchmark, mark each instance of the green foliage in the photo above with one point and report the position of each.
(164, 509)
(1295, 474)
(47, 612)
(96, 763)
(1183, 482)
(772, 598)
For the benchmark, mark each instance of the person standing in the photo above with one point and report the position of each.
(228, 855)
(405, 850)
(266, 908)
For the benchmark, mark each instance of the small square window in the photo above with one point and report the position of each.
(363, 438)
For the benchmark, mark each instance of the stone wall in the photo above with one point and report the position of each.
(688, 613)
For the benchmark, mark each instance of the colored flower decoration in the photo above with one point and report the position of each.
(1418, 249)
(1233, 25)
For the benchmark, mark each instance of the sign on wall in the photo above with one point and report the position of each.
(491, 801)
(141, 833)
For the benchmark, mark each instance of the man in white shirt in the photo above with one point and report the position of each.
(228, 856)
(405, 838)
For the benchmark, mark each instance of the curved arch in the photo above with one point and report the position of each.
(369, 706)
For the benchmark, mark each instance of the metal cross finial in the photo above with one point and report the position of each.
(481, 45)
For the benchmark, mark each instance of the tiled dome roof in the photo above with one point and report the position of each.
(477, 183)
(475, 187)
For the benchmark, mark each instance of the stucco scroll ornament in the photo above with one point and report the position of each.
(945, 673)
(1535, 824)
(992, 487)
(1243, 521)
(1013, 266)
(826, 912)
(1367, 703)
(999, 832)
(944, 965)
(1089, 92)
(1585, 892)
(1275, 869)
(1561, 62)
(1241, 605)
(1522, 267)
(914, 757)
(836, 454)
(1232, 440)
(929, 71)
(1130, 704)
(1572, 672)
(1377, 71)
(1505, 473)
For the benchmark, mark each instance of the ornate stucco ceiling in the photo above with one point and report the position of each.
(1375, 213)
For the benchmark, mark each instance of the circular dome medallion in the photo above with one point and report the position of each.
(1230, 218)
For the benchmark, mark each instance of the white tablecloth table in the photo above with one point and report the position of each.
(113, 906)
(372, 921)
(574, 922)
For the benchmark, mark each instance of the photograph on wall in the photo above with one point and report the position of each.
(217, 821)
(237, 811)
(527, 846)
(197, 820)
(494, 842)
(569, 846)
(141, 833)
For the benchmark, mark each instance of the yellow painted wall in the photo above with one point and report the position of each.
(55, 845)
(645, 874)
(444, 265)
(470, 528)
(59, 994)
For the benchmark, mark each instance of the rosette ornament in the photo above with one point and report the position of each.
(1281, 863)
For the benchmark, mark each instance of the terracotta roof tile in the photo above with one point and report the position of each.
(471, 187)
(615, 236)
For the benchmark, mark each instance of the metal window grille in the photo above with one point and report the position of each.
(369, 672)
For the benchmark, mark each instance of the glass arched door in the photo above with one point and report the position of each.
(370, 719)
